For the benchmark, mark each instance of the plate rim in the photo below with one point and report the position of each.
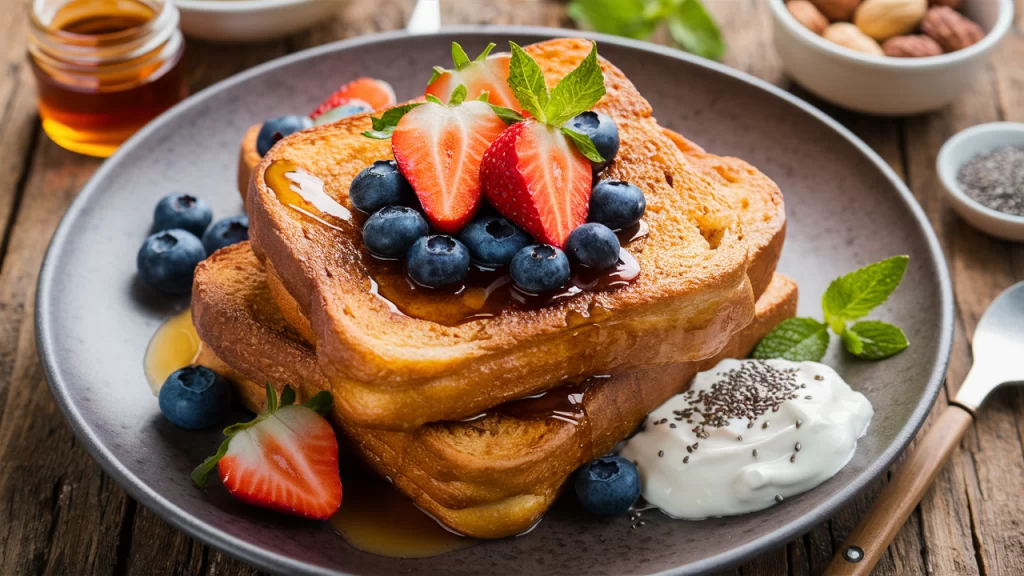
(279, 563)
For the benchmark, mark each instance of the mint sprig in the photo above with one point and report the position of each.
(321, 404)
(689, 23)
(849, 297)
(574, 94)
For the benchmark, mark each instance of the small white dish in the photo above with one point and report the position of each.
(251, 20)
(881, 84)
(961, 148)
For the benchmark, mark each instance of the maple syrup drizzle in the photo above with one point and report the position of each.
(304, 192)
(175, 345)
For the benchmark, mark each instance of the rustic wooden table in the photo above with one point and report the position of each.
(60, 514)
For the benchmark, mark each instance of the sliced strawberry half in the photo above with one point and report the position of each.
(439, 149)
(487, 75)
(377, 93)
(285, 460)
(534, 176)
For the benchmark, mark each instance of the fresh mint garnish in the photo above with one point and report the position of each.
(384, 126)
(574, 94)
(461, 59)
(689, 23)
(847, 298)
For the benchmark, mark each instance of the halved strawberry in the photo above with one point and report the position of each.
(488, 73)
(439, 149)
(377, 93)
(285, 460)
(534, 176)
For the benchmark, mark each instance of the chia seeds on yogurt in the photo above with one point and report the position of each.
(996, 180)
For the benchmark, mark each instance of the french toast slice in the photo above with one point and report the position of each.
(490, 477)
(390, 370)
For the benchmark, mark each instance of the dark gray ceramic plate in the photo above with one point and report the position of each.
(845, 207)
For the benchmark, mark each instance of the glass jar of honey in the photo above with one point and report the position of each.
(104, 68)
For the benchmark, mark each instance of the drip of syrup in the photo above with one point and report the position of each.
(376, 518)
(304, 192)
(175, 345)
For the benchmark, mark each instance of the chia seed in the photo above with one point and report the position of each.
(996, 180)
(686, 460)
(750, 391)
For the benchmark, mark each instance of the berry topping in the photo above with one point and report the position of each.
(603, 132)
(608, 486)
(594, 245)
(539, 269)
(439, 150)
(390, 231)
(436, 261)
(349, 108)
(536, 178)
(488, 73)
(379, 185)
(285, 460)
(375, 93)
(194, 398)
(493, 241)
(182, 211)
(278, 128)
(616, 204)
(225, 232)
(167, 260)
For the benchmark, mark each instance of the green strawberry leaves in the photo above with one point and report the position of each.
(689, 23)
(849, 297)
(384, 126)
(321, 404)
(460, 59)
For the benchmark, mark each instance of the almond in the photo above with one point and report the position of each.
(950, 29)
(808, 15)
(882, 19)
(914, 46)
(849, 36)
(836, 9)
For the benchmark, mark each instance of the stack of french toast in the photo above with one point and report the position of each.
(481, 421)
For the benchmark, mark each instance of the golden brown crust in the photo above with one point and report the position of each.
(393, 371)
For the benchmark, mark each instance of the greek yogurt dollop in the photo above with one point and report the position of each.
(746, 435)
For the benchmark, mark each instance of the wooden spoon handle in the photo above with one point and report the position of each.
(869, 540)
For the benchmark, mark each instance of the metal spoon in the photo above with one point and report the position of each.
(998, 351)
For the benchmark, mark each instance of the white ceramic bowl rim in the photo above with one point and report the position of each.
(236, 6)
(948, 173)
(1002, 25)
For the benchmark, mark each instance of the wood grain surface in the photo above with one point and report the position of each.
(60, 514)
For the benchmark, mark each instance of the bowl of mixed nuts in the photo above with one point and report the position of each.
(888, 57)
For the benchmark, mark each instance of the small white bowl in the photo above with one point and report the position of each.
(961, 148)
(251, 20)
(881, 84)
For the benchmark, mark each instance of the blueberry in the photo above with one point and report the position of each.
(194, 398)
(274, 130)
(616, 204)
(594, 245)
(225, 232)
(168, 259)
(182, 211)
(379, 185)
(539, 268)
(390, 231)
(603, 132)
(350, 108)
(436, 261)
(608, 486)
(493, 241)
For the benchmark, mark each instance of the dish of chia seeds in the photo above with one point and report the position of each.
(996, 180)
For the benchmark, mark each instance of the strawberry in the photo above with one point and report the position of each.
(534, 176)
(439, 149)
(377, 93)
(488, 73)
(285, 460)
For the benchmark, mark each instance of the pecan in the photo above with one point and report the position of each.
(913, 46)
(837, 9)
(950, 29)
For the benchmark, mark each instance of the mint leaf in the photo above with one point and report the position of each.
(483, 55)
(321, 403)
(583, 144)
(873, 340)
(619, 17)
(459, 56)
(693, 28)
(795, 339)
(852, 296)
(578, 91)
(527, 83)
(458, 95)
(384, 126)
(509, 115)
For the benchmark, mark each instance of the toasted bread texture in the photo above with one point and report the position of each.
(489, 477)
(390, 370)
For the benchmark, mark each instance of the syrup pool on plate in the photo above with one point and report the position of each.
(175, 345)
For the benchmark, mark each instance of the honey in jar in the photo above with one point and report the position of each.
(104, 68)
